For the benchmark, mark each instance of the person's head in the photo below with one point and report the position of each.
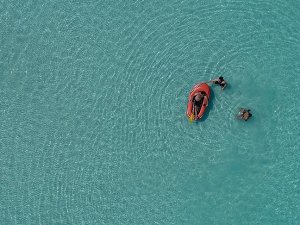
(198, 97)
(221, 78)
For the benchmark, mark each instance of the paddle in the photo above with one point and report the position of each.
(191, 118)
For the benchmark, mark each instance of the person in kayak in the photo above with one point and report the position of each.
(220, 81)
(244, 114)
(197, 102)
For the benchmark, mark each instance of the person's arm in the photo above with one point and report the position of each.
(205, 101)
(224, 86)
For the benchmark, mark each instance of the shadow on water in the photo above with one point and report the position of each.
(209, 107)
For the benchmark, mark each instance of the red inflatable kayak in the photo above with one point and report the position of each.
(198, 88)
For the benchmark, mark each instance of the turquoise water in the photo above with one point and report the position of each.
(92, 107)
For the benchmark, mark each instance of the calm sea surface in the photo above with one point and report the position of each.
(92, 108)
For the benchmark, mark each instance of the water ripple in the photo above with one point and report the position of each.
(93, 100)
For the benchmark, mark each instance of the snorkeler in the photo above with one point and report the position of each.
(244, 114)
(220, 81)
